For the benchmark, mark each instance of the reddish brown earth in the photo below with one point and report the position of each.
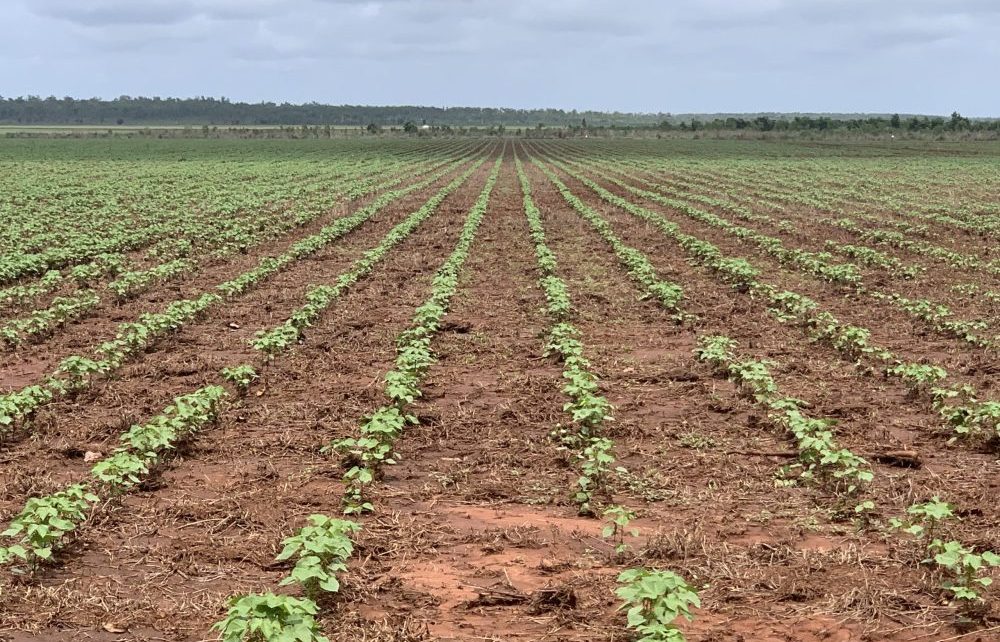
(475, 535)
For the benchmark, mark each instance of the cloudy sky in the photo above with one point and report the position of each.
(926, 56)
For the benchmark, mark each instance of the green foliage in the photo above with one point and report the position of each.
(925, 518)
(270, 618)
(654, 600)
(322, 550)
(619, 518)
(918, 377)
(279, 339)
(363, 456)
(963, 571)
(43, 524)
(716, 350)
(240, 376)
(963, 568)
(42, 323)
(145, 445)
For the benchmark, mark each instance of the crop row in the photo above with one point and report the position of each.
(869, 232)
(221, 226)
(958, 404)
(654, 599)
(937, 316)
(131, 283)
(134, 338)
(327, 541)
(45, 523)
(318, 298)
(963, 570)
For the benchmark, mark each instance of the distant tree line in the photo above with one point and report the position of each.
(141, 111)
(870, 124)
(217, 117)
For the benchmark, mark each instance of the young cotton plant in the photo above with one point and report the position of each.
(240, 376)
(44, 523)
(322, 550)
(270, 618)
(754, 379)
(619, 518)
(653, 601)
(964, 571)
(596, 459)
(919, 378)
(716, 350)
(17, 406)
(969, 417)
(76, 373)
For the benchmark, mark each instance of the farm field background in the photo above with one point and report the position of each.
(522, 368)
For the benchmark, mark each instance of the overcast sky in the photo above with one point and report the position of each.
(926, 56)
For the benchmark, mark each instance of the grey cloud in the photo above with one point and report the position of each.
(110, 13)
(647, 55)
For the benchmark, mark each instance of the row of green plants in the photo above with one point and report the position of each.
(589, 449)
(653, 599)
(817, 264)
(972, 290)
(130, 284)
(320, 551)
(868, 192)
(319, 298)
(958, 404)
(323, 548)
(638, 266)
(312, 244)
(82, 275)
(62, 223)
(364, 456)
(42, 323)
(76, 372)
(962, 572)
(821, 459)
(940, 318)
(45, 524)
(220, 236)
(958, 569)
(869, 256)
(897, 239)
(869, 232)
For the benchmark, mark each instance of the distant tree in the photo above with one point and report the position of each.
(764, 123)
(894, 122)
(372, 128)
(958, 122)
(410, 127)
